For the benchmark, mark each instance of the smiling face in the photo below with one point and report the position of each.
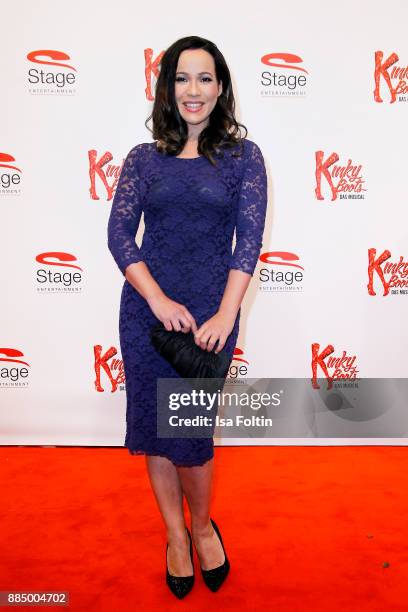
(196, 89)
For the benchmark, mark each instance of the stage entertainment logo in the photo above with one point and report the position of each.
(282, 273)
(287, 77)
(343, 180)
(10, 175)
(238, 367)
(14, 372)
(108, 174)
(393, 275)
(392, 77)
(340, 369)
(50, 278)
(54, 76)
(113, 369)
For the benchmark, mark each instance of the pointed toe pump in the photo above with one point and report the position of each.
(215, 577)
(180, 585)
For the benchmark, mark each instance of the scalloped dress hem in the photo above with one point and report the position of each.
(192, 463)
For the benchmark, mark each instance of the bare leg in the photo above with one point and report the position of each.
(169, 496)
(196, 483)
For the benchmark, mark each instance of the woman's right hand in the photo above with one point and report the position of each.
(173, 315)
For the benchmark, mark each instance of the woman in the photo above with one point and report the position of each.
(195, 185)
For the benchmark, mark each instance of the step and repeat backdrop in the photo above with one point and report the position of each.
(323, 91)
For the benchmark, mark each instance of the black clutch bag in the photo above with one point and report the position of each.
(188, 359)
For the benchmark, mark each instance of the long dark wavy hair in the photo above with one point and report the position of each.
(169, 127)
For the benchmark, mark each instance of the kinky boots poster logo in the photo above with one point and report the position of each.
(343, 181)
(392, 77)
(152, 69)
(336, 368)
(103, 175)
(113, 369)
(10, 176)
(114, 373)
(51, 74)
(391, 276)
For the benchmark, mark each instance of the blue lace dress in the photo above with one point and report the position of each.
(191, 210)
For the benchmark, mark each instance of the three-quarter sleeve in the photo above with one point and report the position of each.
(251, 212)
(125, 214)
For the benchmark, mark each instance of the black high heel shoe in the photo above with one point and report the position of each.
(180, 585)
(214, 578)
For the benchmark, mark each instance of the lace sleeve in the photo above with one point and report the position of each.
(125, 215)
(251, 212)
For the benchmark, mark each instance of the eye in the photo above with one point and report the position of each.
(180, 78)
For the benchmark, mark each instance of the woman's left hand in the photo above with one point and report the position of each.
(218, 327)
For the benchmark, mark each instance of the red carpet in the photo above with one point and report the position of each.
(306, 529)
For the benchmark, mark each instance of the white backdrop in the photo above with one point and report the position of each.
(48, 216)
